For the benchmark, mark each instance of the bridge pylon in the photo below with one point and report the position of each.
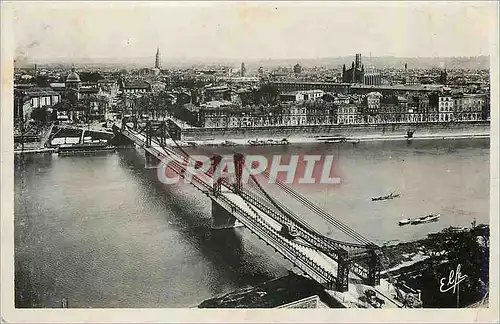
(374, 266)
(221, 218)
(149, 133)
(239, 160)
(216, 159)
(342, 271)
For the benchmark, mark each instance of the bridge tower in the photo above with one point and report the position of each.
(343, 271)
(149, 133)
(239, 159)
(217, 180)
(373, 270)
(221, 218)
(163, 133)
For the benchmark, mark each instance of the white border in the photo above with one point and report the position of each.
(10, 314)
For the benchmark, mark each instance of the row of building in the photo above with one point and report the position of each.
(372, 108)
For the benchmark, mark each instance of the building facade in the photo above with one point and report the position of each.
(297, 96)
(446, 108)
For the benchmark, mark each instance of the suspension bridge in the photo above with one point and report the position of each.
(345, 269)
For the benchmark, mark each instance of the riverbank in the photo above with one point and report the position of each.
(406, 262)
(291, 291)
(269, 141)
(321, 133)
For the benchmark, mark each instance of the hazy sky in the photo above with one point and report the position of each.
(252, 30)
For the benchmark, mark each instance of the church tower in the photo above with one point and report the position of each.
(158, 59)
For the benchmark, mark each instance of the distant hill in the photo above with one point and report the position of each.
(477, 62)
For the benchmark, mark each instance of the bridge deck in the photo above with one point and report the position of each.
(304, 257)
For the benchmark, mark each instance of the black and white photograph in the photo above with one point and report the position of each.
(239, 155)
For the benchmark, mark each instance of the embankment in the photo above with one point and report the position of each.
(349, 131)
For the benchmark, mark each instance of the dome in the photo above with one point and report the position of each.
(73, 76)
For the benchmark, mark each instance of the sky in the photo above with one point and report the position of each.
(263, 30)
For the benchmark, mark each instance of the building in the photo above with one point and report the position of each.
(372, 78)
(372, 103)
(445, 108)
(243, 69)
(468, 107)
(26, 101)
(135, 87)
(321, 112)
(288, 86)
(295, 115)
(401, 89)
(296, 96)
(443, 77)
(297, 69)
(72, 86)
(158, 86)
(158, 59)
(356, 73)
(216, 93)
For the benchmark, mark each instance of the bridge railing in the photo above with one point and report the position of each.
(288, 249)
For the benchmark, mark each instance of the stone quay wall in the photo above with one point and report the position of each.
(349, 131)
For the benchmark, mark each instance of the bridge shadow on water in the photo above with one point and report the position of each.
(235, 253)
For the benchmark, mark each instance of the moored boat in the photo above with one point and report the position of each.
(268, 142)
(404, 222)
(426, 219)
(335, 140)
(256, 142)
(228, 143)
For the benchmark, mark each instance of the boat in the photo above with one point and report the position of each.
(84, 149)
(392, 195)
(268, 142)
(228, 143)
(273, 142)
(335, 140)
(426, 219)
(404, 222)
(256, 142)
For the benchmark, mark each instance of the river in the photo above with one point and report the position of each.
(101, 232)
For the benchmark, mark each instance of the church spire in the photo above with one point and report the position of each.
(158, 59)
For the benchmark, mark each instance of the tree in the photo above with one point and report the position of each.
(463, 250)
(267, 94)
(90, 77)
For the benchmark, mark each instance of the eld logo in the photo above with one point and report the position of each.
(290, 169)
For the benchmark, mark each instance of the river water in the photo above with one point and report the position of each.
(100, 231)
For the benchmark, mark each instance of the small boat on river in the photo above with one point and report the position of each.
(386, 197)
(257, 142)
(426, 219)
(336, 140)
(404, 222)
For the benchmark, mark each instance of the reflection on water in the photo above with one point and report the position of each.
(101, 232)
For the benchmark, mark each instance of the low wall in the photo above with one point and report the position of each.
(335, 130)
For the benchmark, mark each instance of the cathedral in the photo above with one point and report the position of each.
(356, 73)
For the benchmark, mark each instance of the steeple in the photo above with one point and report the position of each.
(158, 60)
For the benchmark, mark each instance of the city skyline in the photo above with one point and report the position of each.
(250, 31)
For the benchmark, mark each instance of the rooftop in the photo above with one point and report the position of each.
(136, 85)
(38, 92)
(402, 87)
